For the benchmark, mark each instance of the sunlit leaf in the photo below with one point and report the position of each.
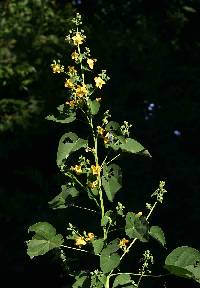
(44, 240)
(69, 143)
(112, 126)
(109, 261)
(65, 115)
(184, 262)
(82, 280)
(122, 279)
(111, 180)
(64, 198)
(94, 106)
(136, 227)
(43, 229)
(157, 233)
(132, 146)
(98, 245)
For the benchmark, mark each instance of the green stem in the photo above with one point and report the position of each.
(84, 208)
(127, 250)
(107, 282)
(133, 241)
(79, 52)
(99, 177)
(138, 274)
(113, 159)
(73, 248)
(73, 177)
(150, 212)
(141, 275)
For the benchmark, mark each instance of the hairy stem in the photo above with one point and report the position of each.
(73, 248)
(138, 274)
(113, 159)
(99, 176)
(83, 208)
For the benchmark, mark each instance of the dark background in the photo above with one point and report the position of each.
(151, 50)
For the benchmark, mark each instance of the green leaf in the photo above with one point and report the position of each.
(61, 200)
(69, 143)
(81, 281)
(94, 106)
(122, 279)
(98, 245)
(157, 233)
(109, 217)
(69, 119)
(111, 180)
(132, 146)
(43, 229)
(118, 141)
(96, 282)
(178, 271)
(136, 227)
(38, 247)
(109, 261)
(112, 126)
(112, 247)
(65, 115)
(184, 262)
(45, 239)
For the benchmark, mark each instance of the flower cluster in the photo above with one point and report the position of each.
(93, 179)
(77, 169)
(148, 259)
(160, 192)
(57, 67)
(125, 129)
(83, 240)
(79, 91)
(107, 136)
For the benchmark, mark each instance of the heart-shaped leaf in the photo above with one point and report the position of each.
(111, 180)
(69, 143)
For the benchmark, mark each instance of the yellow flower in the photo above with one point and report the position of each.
(99, 82)
(69, 84)
(72, 70)
(57, 68)
(78, 39)
(100, 130)
(98, 99)
(123, 242)
(91, 62)
(81, 91)
(96, 169)
(75, 55)
(77, 169)
(93, 184)
(71, 103)
(138, 214)
(90, 236)
(80, 241)
(106, 139)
